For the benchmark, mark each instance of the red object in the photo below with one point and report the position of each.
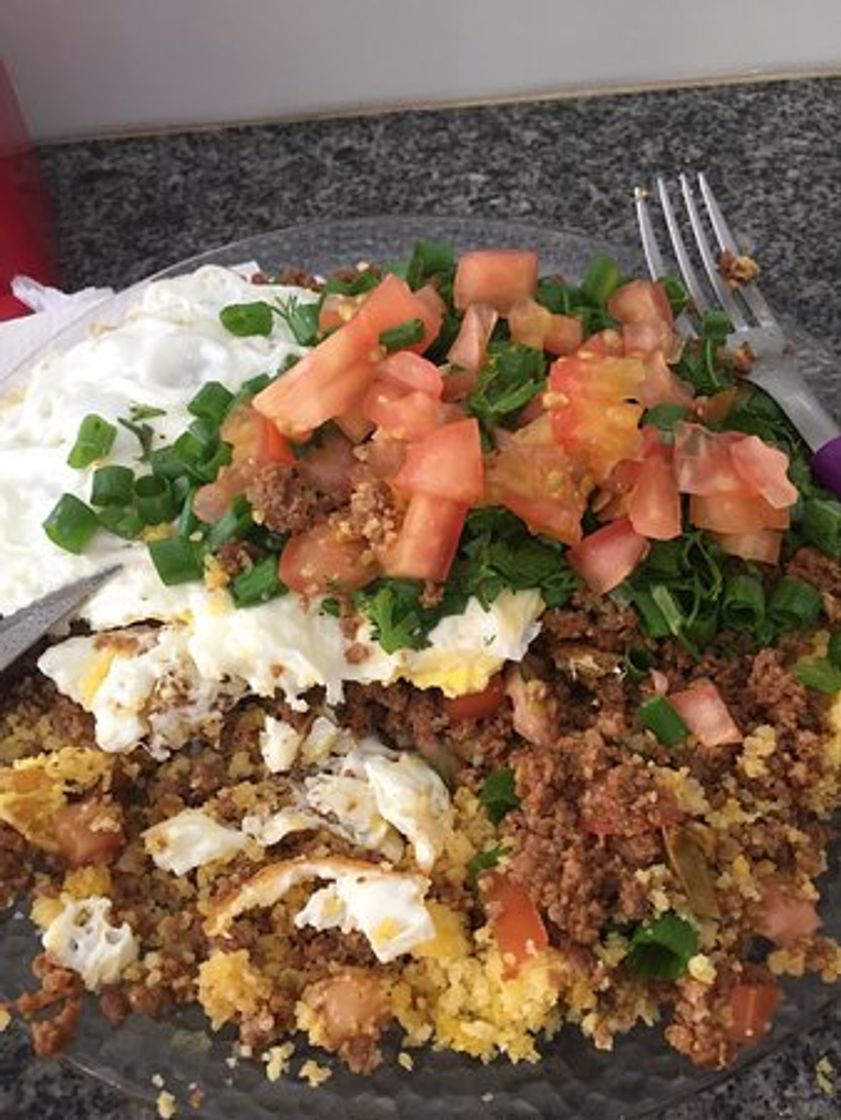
(25, 236)
(606, 557)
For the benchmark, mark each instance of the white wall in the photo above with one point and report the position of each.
(88, 66)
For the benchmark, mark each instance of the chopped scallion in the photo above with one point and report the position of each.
(743, 607)
(176, 560)
(661, 949)
(833, 649)
(71, 524)
(658, 715)
(154, 500)
(258, 584)
(819, 673)
(93, 441)
(794, 603)
(112, 486)
(122, 521)
(231, 526)
(821, 525)
(403, 335)
(211, 402)
(245, 319)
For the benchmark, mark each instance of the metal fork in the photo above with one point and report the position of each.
(775, 369)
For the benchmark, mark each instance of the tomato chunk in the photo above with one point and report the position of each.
(469, 350)
(329, 465)
(447, 463)
(705, 714)
(336, 310)
(477, 705)
(765, 470)
(605, 558)
(211, 501)
(654, 503)
(751, 1008)
(735, 513)
(402, 415)
(641, 301)
(319, 561)
(515, 920)
(538, 483)
(428, 539)
(393, 302)
(412, 373)
(253, 438)
(783, 917)
(496, 276)
(534, 325)
(763, 546)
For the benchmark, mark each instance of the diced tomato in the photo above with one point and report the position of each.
(392, 303)
(537, 432)
(435, 310)
(428, 539)
(662, 385)
(735, 514)
(515, 920)
(654, 503)
(319, 561)
(590, 401)
(253, 438)
(336, 310)
(703, 462)
(538, 484)
(90, 831)
(470, 348)
(751, 1007)
(402, 415)
(354, 423)
(705, 714)
(412, 373)
(384, 457)
(210, 502)
(496, 276)
(716, 409)
(782, 916)
(641, 301)
(645, 338)
(534, 325)
(608, 556)
(446, 463)
(763, 546)
(329, 465)
(535, 410)
(477, 705)
(765, 470)
(604, 344)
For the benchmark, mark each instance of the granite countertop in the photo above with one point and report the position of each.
(126, 207)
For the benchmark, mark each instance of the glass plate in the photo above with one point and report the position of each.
(573, 1080)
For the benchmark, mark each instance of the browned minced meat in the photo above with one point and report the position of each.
(590, 814)
(237, 556)
(736, 268)
(822, 572)
(284, 501)
(594, 620)
(294, 277)
(371, 515)
(61, 989)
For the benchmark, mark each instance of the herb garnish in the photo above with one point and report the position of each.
(499, 794)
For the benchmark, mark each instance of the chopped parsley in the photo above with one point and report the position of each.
(486, 861)
(512, 375)
(247, 319)
(302, 320)
(661, 949)
(499, 794)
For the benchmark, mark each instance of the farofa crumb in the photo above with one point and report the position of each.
(5, 1019)
(165, 1105)
(277, 1060)
(314, 1074)
(825, 1076)
(405, 1060)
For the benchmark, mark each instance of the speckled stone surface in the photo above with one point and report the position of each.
(128, 207)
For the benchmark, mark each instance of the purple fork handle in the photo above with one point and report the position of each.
(826, 463)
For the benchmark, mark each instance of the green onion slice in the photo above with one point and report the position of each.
(403, 335)
(819, 673)
(743, 607)
(71, 524)
(661, 949)
(211, 402)
(176, 560)
(122, 521)
(833, 649)
(821, 525)
(112, 486)
(245, 319)
(658, 715)
(231, 526)
(154, 500)
(258, 584)
(794, 603)
(93, 441)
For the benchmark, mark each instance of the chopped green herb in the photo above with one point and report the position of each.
(499, 794)
(794, 603)
(154, 500)
(662, 948)
(397, 617)
(833, 649)
(143, 433)
(676, 294)
(112, 486)
(743, 607)
(257, 584)
(430, 258)
(233, 525)
(821, 525)
(245, 319)
(302, 320)
(331, 607)
(402, 336)
(818, 673)
(638, 663)
(665, 416)
(176, 560)
(658, 715)
(716, 326)
(71, 524)
(122, 521)
(512, 376)
(144, 412)
(485, 861)
(94, 440)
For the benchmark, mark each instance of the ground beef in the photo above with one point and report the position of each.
(60, 994)
(594, 620)
(237, 556)
(284, 502)
(294, 277)
(822, 572)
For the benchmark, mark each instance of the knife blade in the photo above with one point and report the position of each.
(21, 630)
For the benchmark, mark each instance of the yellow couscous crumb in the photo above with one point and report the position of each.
(277, 1060)
(314, 1074)
(165, 1105)
(228, 985)
(405, 1060)
(5, 1019)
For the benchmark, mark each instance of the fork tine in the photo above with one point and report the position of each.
(687, 272)
(650, 246)
(750, 291)
(710, 264)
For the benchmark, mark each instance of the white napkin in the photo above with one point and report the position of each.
(53, 309)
